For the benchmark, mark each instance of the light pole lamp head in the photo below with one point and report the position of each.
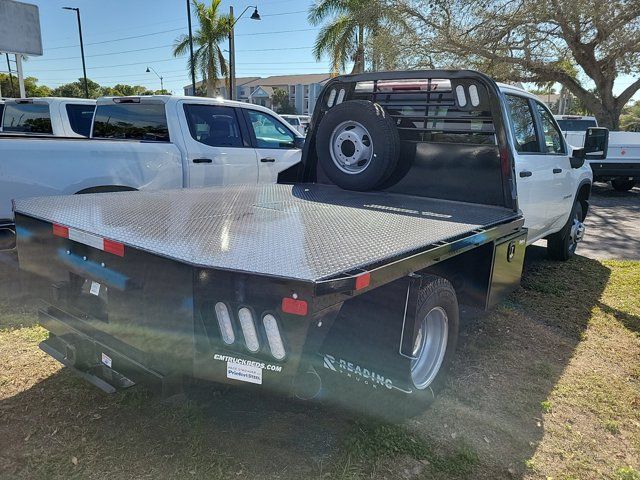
(255, 15)
(71, 8)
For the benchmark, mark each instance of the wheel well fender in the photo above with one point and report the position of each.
(584, 192)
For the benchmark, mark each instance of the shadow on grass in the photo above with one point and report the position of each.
(488, 420)
(486, 423)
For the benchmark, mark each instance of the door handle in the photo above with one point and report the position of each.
(202, 160)
(267, 160)
(525, 173)
(557, 170)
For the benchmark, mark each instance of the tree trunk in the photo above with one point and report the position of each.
(358, 64)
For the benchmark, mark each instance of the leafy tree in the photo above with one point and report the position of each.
(122, 90)
(207, 56)
(536, 41)
(630, 120)
(350, 23)
(32, 89)
(280, 99)
(76, 89)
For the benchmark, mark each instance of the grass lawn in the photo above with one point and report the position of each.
(547, 385)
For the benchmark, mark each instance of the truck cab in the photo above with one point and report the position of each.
(547, 183)
(61, 117)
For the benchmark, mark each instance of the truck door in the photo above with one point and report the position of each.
(216, 151)
(274, 142)
(534, 169)
(556, 150)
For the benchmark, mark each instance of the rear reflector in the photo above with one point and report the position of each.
(294, 307)
(363, 281)
(104, 244)
(60, 231)
(113, 247)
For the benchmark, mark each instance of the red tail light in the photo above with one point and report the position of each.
(294, 307)
(363, 281)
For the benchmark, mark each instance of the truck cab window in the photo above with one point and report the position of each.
(27, 118)
(80, 117)
(524, 130)
(134, 121)
(213, 125)
(571, 125)
(552, 136)
(269, 132)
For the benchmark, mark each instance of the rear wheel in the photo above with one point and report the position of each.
(622, 185)
(562, 245)
(437, 335)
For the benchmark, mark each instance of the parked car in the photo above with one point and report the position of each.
(148, 143)
(299, 122)
(62, 117)
(417, 191)
(1, 110)
(622, 165)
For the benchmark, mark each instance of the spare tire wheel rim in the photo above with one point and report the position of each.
(351, 147)
(430, 347)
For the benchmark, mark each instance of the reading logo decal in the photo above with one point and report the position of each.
(356, 372)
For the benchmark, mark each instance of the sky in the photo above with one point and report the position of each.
(122, 38)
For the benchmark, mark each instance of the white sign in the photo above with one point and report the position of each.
(20, 28)
(106, 359)
(244, 373)
(95, 288)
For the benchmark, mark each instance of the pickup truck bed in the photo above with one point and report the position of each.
(304, 232)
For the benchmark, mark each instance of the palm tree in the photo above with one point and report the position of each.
(207, 56)
(343, 37)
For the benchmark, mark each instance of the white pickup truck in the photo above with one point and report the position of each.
(344, 278)
(149, 143)
(622, 165)
(62, 117)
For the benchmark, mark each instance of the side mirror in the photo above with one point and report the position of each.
(298, 142)
(596, 143)
(577, 157)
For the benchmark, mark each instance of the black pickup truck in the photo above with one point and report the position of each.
(350, 269)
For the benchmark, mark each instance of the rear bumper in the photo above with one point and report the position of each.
(611, 170)
(107, 368)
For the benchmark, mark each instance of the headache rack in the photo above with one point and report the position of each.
(450, 123)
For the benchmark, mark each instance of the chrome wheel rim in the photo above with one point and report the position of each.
(351, 147)
(576, 234)
(429, 348)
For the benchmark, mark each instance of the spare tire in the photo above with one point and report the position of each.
(358, 145)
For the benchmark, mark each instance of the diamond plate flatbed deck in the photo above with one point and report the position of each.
(305, 232)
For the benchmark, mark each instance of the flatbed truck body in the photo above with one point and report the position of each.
(294, 285)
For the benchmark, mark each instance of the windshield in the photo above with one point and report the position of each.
(572, 125)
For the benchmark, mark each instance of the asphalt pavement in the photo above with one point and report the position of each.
(612, 225)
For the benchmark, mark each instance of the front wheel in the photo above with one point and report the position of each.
(622, 185)
(562, 245)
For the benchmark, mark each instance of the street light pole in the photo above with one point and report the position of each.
(84, 67)
(151, 69)
(232, 49)
(193, 68)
